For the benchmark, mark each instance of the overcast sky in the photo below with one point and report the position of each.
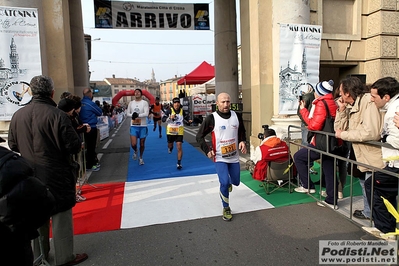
(134, 53)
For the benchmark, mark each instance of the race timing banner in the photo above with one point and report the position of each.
(150, 16)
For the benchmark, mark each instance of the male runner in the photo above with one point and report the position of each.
(175, 117)
(228, 137)
(156, 111)
(138, 110)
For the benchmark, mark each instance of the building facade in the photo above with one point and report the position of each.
(360, 37)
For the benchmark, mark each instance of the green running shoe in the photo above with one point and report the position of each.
(227, 216)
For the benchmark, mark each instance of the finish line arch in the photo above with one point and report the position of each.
(131, 93)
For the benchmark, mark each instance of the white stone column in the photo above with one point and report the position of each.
(79, 55)
(226, 59)
(297, 13)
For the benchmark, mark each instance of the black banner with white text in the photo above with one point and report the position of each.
(151, 16)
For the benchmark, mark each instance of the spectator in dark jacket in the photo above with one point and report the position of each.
(16, 225)
(45, 137)
(88, 114)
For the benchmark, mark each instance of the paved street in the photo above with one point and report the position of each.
(282, 236)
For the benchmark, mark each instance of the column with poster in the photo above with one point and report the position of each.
(20, 58)
(299, 63)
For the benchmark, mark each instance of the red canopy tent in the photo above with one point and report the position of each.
(201, 74)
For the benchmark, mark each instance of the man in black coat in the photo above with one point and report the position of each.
(25, 205)
(45, 137)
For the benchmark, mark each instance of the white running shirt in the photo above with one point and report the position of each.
(140, 107)
(225, 138)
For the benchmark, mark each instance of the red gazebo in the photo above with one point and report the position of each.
(199, 75)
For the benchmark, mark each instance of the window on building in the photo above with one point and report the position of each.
(340, 19)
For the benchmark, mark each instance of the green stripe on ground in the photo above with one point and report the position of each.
(281, 197)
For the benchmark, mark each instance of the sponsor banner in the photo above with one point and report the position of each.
(20, 58)
(299, 63)
(202, 104)
(150, 16)
(358, 252)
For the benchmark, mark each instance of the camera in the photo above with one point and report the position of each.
(300, 98)
(261, 136)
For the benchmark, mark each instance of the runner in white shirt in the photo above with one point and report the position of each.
(228, 138)
(138, 110)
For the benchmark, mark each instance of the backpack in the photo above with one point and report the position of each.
(321, 141)
(25, 202)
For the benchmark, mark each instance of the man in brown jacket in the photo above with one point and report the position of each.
(359, 120)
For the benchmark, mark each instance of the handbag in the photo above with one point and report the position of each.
(323, 141)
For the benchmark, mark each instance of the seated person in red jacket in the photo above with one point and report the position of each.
(271, 148)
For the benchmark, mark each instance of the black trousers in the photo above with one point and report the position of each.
(91, 142)
(387, 187)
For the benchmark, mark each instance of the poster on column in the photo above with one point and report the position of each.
(299, 63)
(20, 58)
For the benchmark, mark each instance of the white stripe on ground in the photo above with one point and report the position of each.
(169, 200)
(107, 144)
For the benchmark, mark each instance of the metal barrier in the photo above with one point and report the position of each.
(295, 129)
(80, 158)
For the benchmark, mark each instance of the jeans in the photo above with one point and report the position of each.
(366, 209)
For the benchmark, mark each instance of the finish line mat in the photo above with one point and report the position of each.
(158, 163)
(184, 198)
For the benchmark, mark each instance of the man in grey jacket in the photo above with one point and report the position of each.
(45, 137)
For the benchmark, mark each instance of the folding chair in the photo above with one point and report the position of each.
(278, 175)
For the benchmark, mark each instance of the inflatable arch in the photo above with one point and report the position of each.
(130, 93)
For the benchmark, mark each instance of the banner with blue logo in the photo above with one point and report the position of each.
(150, 16)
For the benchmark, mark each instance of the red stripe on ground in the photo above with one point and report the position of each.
(102, 209)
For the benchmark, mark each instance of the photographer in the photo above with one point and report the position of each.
(271, 149)
(307, 98)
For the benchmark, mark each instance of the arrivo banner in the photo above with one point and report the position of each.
(151, 16)
(202, 104)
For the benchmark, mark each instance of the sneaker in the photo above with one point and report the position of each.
(230, 187)
(305, 190)
(134, 157)
(312, 171)
(227, 216)
(94, 169)
(324, 204)
(323, 193)
(169, 151)
(179, 166)
(98, 165)
(340, 195)
(141, 162)
(360, 215)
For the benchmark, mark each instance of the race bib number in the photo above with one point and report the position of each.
(173, 130)
(229, 149)
(136, 122)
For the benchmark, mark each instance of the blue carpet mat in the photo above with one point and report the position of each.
(160, 164)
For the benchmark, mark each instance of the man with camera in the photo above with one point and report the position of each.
(271, 149)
